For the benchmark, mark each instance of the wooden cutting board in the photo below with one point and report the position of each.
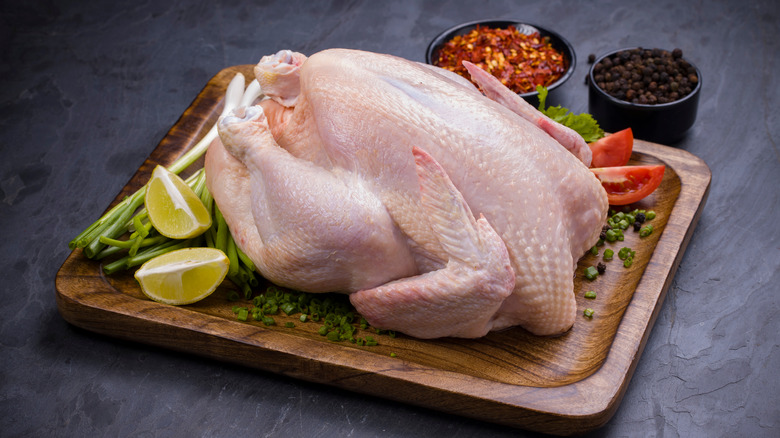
(561, 385)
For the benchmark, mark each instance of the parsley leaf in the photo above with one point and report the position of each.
(584, 124)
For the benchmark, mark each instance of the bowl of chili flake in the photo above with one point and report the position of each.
(521, 55)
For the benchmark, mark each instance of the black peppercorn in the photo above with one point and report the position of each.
(646, 76)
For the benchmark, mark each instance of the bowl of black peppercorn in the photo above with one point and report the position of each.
(654, 92)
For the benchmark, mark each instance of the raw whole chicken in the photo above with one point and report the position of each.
(442, 209)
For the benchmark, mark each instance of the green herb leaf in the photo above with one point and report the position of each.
(584, 124)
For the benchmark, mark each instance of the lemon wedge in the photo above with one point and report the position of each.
(174, 209)
(183, 276)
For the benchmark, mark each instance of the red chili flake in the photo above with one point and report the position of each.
(519, 61)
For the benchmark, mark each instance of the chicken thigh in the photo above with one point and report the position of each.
(441, 210)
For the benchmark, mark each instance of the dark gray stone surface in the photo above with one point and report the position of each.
(89, 88)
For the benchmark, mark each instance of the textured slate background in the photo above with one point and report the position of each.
(88, 88)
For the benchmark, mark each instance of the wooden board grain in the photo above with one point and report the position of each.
(561, 385)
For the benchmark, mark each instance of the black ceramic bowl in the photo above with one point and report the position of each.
(557, 41)
(664, 123)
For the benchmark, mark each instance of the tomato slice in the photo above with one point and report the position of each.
(612, 150)
(627, 184)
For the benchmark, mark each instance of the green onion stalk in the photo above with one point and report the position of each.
(102, 239)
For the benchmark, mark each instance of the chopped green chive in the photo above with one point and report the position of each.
(289, 308)
(591, 273)
(625, 253)
(588, 312)
(590, 294)
(340, 321)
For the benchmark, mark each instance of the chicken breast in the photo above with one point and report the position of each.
(441, 210)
